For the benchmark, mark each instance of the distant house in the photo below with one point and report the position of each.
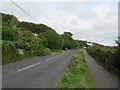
(90, 44)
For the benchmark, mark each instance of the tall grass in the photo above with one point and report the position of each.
(77, 75)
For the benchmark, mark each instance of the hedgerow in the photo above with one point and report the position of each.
(106, 56)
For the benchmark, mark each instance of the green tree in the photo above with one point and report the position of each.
(54, 39)
(35, 28)
(9, 33)
(9, 20)
(69, 42)
(44, 40)
(67, 35)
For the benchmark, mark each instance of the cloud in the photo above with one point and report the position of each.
(92, 21)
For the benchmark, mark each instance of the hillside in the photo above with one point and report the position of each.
(27, 39)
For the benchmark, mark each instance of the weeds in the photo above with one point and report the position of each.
(77, 75)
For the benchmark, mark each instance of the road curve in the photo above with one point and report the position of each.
(101, 77)
(38, 72)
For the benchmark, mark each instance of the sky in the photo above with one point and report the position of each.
(91, 21)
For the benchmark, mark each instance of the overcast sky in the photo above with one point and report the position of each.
(91, 21)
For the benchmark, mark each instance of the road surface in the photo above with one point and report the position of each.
(38, 72)
(101, 77)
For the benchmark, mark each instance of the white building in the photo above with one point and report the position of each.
(90, 44)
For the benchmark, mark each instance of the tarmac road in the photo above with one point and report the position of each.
(101, 77)
(38, 72)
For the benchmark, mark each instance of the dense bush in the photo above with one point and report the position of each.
(9, 20)
(54, 39)
(28, 42)
(69, 43)
(117, 59)
(116, 56)
(44, 40)
(47, 51)
(9, 33)
(35, 28)
(9, 53)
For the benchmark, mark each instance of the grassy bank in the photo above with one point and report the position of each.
(11, 52)
(22, 39)
(77, 75)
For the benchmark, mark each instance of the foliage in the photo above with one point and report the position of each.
(31, 43)
(116, 56)
(9, 33)
(35, 28)
(47, 51)
(77, 75)
(54, 39)
(9, 52)
(82, 43)
(9, 20)
(27, 41)
(67, 35)
(33, 39)
(44, 40)
(70, 43)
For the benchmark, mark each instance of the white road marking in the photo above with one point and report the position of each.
(36, 64)
(49, 59)
(28, 67)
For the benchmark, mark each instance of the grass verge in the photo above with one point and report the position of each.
(77, 75)
(57, 51)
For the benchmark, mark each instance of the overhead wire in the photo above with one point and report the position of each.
(24, 11)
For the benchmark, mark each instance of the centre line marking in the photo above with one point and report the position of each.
(36, 64)
(51, 58)
(29, 67)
